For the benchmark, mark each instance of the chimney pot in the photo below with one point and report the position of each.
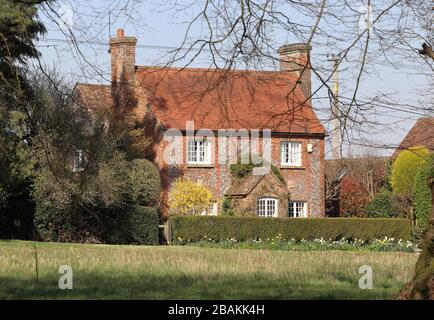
(120, 33)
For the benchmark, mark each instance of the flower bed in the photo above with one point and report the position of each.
(278, 243)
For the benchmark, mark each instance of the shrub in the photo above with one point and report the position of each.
(227, 207)
(72, 208)
(189, 198)
(81, 208)
(405, 168)
(140, 226)
(241, 170)
(382, 206)
(354, 197)
(144, 183)
(422, 196)
(194, 229)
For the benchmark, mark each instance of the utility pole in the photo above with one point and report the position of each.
(336, 114)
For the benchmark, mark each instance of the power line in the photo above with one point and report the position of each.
(102, 43)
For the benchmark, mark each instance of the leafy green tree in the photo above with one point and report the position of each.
(144, 183)
(422, 196)
(405, 168)
(19, 27)
(83, 182)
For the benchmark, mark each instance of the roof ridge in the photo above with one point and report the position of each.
(278, 72)
(425, 118)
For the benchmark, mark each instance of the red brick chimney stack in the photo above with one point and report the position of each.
(123, 70)
(123, 58)
(296, 58)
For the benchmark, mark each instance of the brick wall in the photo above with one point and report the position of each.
(305, 183)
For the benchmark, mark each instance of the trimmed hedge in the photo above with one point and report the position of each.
(141, 226)
(197, 228)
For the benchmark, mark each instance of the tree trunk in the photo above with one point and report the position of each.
(422, 285)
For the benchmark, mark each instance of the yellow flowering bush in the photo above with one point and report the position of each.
(189, 198)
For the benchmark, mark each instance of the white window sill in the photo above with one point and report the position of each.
(200, 165)
(289, 166)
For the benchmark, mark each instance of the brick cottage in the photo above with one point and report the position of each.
(162, 98)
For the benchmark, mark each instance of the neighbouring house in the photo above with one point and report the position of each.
(370, 172)
(366, 174)
(240, 102)
(421, 134)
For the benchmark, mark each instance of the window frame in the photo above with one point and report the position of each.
(197, 153)
(294, 204)
(266, 207)
(286, 154)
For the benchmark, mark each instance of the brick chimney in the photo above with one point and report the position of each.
(123, 60)
(296, 58)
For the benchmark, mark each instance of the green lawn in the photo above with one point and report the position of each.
(133, 272)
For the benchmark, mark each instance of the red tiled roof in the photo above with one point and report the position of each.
(422, 134)
(217, 99)
(245, 185)
(93, 96)
(234, 99)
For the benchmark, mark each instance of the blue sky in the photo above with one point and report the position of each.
(155, 27)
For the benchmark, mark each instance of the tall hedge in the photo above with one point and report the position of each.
(194, 229)
(141, 225)
(422, 197)
(405, 168)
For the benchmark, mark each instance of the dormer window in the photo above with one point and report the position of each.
(199, 151)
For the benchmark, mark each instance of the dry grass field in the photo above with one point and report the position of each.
(161, 272)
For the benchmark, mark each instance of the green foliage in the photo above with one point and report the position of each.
(19, 27)
(382, 206)
(144, 183)
(80, 208)
(135, 225)
(240, 170)
(227, 207)
(194, 229)
(135, 142)
(16, 219)
(3, 198)
(422, 196)
(405, 168)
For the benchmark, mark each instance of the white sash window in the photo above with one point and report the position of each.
(290, 153)
(199, 151)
